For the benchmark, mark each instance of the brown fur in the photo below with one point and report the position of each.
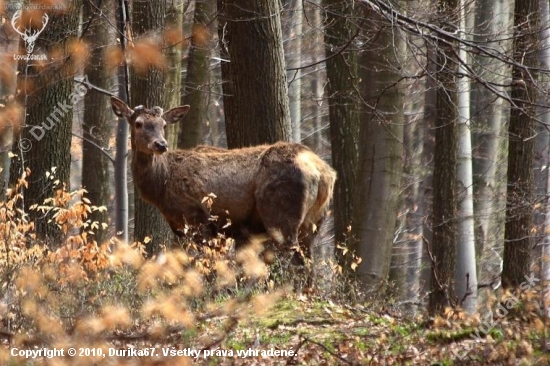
(282, 189)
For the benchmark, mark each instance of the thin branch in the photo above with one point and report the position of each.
(102, 149)
(342, 49)
(95, 87)
(436, 33)
(89, 23)
(328, 350)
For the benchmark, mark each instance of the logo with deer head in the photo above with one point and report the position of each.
(29, 34)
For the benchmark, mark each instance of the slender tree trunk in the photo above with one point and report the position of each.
(319, 79)
(173, 48)
(97, 116)
(294, 61)
(49, 115)
(341, 66)
(121, 161)
(148, 89)
(427, 160)
(6, 139)
(6, 130)
(488, 115)
(519, 203)
(381, 151)
(444, 180)
(198, 70)
(255, 86)
(414, 201)
(466, 271)
(407, 251)
(407, 263)
(543, 150)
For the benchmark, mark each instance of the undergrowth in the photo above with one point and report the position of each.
(111, 301)
(79, 293)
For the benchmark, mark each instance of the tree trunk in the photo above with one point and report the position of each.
(7, 87)
(444, 199)
(427, 160)
(255, 87)
(294, 61)
(488, 115)
(48, 102)
(121, 161)
(466, 271)
(406, 262)
(97, 117)
(519, 203)
(414, 202)
(318, 80)
(543, 152)
(381, 151)
(341, 68)
(147, 88)
(198, 69)
(173, 48)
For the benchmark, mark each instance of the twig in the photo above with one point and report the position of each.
(232, 323)
(468, 290)
(292, 359)
(328, 350)
(6, 334)
(433, 261)
(95, 87)
(338, 52)
(102, 149)
(303, 321)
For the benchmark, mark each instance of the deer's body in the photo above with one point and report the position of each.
(282, 189)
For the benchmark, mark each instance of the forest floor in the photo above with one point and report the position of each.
(208, 305)
(321, 332)
(261, 327)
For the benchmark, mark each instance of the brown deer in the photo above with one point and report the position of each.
(282, 189)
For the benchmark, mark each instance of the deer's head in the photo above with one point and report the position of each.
(147, 125)
(29, 35)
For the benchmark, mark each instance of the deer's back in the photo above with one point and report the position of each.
(240, 180)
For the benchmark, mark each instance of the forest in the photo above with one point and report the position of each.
(431, 246)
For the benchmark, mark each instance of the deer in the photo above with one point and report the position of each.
(29, 35)
(282, 190)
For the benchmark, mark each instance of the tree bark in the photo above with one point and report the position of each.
(341, 66)
(381, 151)
(444, 180)
(519, 202)
(294, 61)
(97, 117)
(198, 70)
(414, 202)
(488, 115)
(173, 49)
(45, 90)
(466, 270)
(121, 161)
(7, 87)
(255, 86)
(148, 89)
(543, 152)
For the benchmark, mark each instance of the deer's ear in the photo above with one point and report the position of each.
(175, 114)
(120, 108)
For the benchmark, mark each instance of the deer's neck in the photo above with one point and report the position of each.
(150, 175)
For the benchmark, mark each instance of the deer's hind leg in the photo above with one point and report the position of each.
(280, 204)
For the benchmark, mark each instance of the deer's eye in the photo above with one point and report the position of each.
(139, 124)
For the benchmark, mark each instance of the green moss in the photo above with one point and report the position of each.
(448, 336)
